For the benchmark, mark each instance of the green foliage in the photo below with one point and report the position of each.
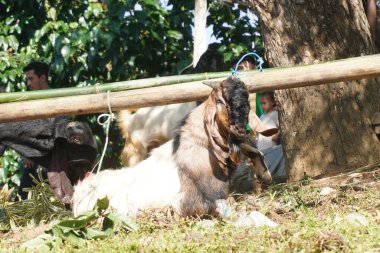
(10, 168)
(95, 224)
(41, 206)
(112, 42)
(107, 41)
(235, 29)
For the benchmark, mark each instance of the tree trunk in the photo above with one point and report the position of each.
(325, 128)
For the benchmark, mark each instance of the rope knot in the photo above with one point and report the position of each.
(259, 60)
(105, 119)
(108, 118)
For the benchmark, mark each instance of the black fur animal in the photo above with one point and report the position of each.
(66, 149)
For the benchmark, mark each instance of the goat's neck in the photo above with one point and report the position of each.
(202, 130)
(193, 129)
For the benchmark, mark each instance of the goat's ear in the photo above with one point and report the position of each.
(212, 84)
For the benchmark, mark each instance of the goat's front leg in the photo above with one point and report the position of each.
(257, 165)
(61, 186)
(256, 184)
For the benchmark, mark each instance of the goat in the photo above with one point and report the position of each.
(149, 128)
(188, 173)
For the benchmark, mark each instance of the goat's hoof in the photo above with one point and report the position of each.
(66, 199)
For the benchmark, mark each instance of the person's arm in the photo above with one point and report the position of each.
(258, 126)
(255, 122)
(28, 164)
(371, 16)
(277, 136)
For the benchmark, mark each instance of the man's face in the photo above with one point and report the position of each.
(34, 81)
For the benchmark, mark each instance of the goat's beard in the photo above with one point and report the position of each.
(235, 151)
(235, 146)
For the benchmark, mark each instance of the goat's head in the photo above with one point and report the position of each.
(81, 144)
(231, 108)
(77, 133)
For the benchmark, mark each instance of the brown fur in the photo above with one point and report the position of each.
(258, 170)
(204, 156)
(133, 153)
(155, 142)
(205, 168)
(124, 118)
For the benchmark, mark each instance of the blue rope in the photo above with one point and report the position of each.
(258, 58)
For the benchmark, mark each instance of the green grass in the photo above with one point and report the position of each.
(308, 223)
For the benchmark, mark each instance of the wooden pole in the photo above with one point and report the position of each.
(113, 87)
(271, 79)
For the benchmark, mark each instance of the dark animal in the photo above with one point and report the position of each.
(66, 149)
(210, 61)
(189, 173)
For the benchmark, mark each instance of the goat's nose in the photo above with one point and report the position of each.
(241, 130)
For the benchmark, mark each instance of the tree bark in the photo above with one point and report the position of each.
(325, 128)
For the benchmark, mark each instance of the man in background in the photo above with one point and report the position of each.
(37, 78)
(37, 74)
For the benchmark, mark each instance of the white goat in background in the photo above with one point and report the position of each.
(148, 128)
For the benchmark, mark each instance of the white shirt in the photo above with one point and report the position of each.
(269, 120)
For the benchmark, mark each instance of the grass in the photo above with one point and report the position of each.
(308, 222)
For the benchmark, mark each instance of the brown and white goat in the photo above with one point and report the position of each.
(188, 173)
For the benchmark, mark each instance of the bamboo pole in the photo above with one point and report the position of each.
(273, 79)
(113, 87)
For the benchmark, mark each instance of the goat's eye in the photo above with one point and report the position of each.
(218, 101)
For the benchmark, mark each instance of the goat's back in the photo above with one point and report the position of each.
(161, 120)
(148, 128)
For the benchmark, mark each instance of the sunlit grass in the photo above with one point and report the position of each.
(308, 222)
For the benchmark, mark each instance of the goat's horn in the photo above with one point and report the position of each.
(212, 84)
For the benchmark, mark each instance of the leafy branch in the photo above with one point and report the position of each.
(95, 224)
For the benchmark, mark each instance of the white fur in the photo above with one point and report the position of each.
(153, 183)
(149, 125)
(158, 121)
